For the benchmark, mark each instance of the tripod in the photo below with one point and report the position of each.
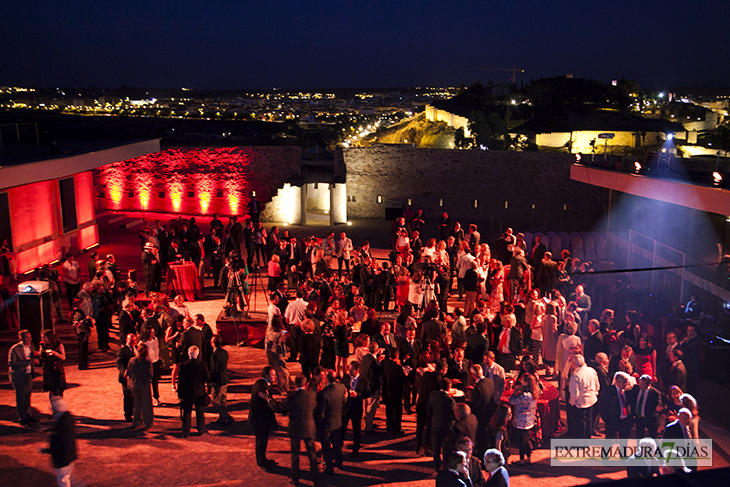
(256, 282)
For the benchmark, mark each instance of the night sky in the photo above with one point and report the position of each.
(329, 44)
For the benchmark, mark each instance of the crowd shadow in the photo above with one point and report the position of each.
(13, 472)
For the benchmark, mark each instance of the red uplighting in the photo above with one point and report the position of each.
(215, 177)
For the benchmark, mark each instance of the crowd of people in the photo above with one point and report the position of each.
(472, 373)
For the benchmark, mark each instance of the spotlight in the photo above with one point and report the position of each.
(637, 166)
(717, 178)
(670, 136)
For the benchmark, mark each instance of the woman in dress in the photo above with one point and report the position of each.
(672, 404)
(328, 336)
(5, 256)
(173, 338)
(689, 402)
(549, 337)
(402, 279)
(259, 239)
(496, 279)
(342, 340)
(566, 341)
(139, 376)
(536, 335)
(645, 356)
(524, 401)
(404, 321)
(52, 356)
(149, 338)
(275, 345)
(499, 427)
(415, 290)
(403, 243)
(274, 272)
(362, 346)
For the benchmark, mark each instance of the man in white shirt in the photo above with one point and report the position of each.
(71, 278)
(494, 371)
(21, 359)
(583, 387)
(343, 249)
(294, 315)
(463, 264)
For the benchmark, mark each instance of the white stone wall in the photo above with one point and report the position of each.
(285, 206)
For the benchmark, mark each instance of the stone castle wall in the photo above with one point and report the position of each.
(525, 190)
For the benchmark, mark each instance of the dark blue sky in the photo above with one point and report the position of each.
(326, 44)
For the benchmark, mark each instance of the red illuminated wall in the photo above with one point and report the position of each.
(36, 221)
(196, 181)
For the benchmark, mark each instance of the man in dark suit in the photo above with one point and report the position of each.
(481, 400)
(330, 403)
(219, 380)
(584, 307)
(371, 374)
(615, 408)
(518, 266)
(262, 417)
(431, 381)
(416, 245)
(547, 274)
(627, 353)
(644, 465)
(386, 339)
(440, 412)
(301, 406)
(465, 424)
(601, 367)
(538, 252)
(494, 465)
(207, 333)
(192, 336)
(677, 371)
(354, 407)
(458, 370)
(644, 400)
(680, 428)
(457, 467)
(594, 343)
(393, 383)
(433, 329)
(129, 322)
(151, 267)
(192, 379)
(507, 342)
(410, 349)
(63, 441)
(477, 344)
(124, 355)
(691, 347)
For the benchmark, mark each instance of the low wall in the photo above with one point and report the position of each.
(520, 189)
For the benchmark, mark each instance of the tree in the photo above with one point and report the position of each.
(490, 131)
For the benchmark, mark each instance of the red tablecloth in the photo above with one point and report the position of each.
(548, 407)
(183, 279)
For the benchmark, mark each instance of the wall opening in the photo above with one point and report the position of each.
(318, 204)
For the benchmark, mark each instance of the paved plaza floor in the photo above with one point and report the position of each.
(110, 453)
